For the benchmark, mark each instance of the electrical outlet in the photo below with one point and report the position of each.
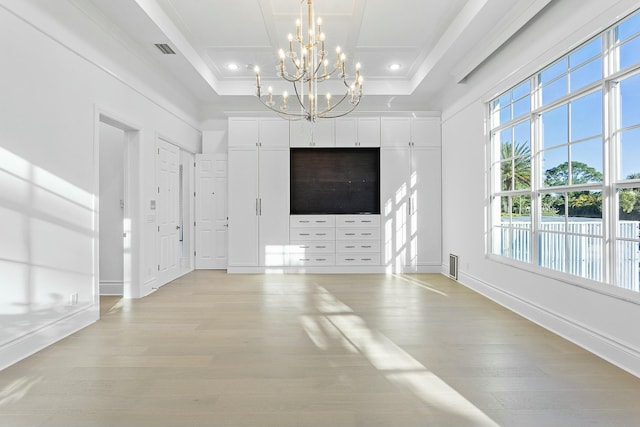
(73, 299)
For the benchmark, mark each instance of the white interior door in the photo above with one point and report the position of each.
(221, 216)
(168, 208)
(187, 211)
(211, 211)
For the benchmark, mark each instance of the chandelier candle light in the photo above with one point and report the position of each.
(308, 67)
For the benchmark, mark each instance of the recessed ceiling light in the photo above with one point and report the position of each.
(394, 67)
(233, 66)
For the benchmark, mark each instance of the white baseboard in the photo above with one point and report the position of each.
(422, 268)
(619, 353)
(111, 288)
(148, 287)
(20, 348)
(334, 269)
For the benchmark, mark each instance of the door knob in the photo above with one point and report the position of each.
(177, 227)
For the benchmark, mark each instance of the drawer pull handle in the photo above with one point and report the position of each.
(321, 247)
(349, 221)
(366, 234)
(366, 220)
(349, 234)
(366, 259)
(366, 246)
(350, 259)
(304, 234)
(321, 234)
(304, 222)
(304, 259)
(304, 247)
(321, 259)
(321, 222)
(349, 247)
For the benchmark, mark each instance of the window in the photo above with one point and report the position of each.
(553, 193)
(512, 104)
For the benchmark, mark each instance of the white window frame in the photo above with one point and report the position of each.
(610, 184)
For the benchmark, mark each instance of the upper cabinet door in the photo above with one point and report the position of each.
(426, 132)
(358, 132)
(368, 131)
(243, 132)
(395, 131)
(324, 133)
(274, 132)
(346, 133)
(320, 134)
(300, 134)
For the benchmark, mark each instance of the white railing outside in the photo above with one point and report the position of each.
(577, 248)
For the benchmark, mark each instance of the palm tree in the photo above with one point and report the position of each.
(516, 174)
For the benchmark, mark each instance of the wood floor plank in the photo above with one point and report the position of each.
(212, 349)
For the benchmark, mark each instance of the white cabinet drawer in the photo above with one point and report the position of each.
(358, 234)
(312, 221)
(312, 234)
(358, 221)
(358, 259)
(311, 259)
(312, 247)
(365, 246)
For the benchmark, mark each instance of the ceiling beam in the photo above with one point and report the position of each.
(507, 27)
(453, 32)
(154, 11)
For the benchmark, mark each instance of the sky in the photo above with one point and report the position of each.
(580, 122)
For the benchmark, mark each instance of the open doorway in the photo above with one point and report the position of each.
(112, 143)
(116, 249)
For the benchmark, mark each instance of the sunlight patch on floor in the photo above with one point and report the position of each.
(337, 322)
(17, 390)
(422, 284)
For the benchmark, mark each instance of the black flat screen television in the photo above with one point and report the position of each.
(335, 181)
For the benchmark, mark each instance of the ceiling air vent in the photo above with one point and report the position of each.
(165, 49)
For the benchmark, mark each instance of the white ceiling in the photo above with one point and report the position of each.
(436, 42)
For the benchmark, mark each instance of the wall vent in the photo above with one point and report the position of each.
(165, 49)
(453, 266)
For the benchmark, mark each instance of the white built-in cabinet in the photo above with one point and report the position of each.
(410, 174)
(307, 134)
(357, 132)
(334, 240)
(258, 204)
(405, 237)
(341, 132)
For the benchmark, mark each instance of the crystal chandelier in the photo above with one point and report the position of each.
(306, 67)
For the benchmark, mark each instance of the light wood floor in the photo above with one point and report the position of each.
(212, 349)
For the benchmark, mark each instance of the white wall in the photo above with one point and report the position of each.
(53, 85)
(214, 136)
(111, 215)
(602, 320)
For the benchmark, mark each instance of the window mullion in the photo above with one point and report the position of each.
(611, 123)
(536, 170)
